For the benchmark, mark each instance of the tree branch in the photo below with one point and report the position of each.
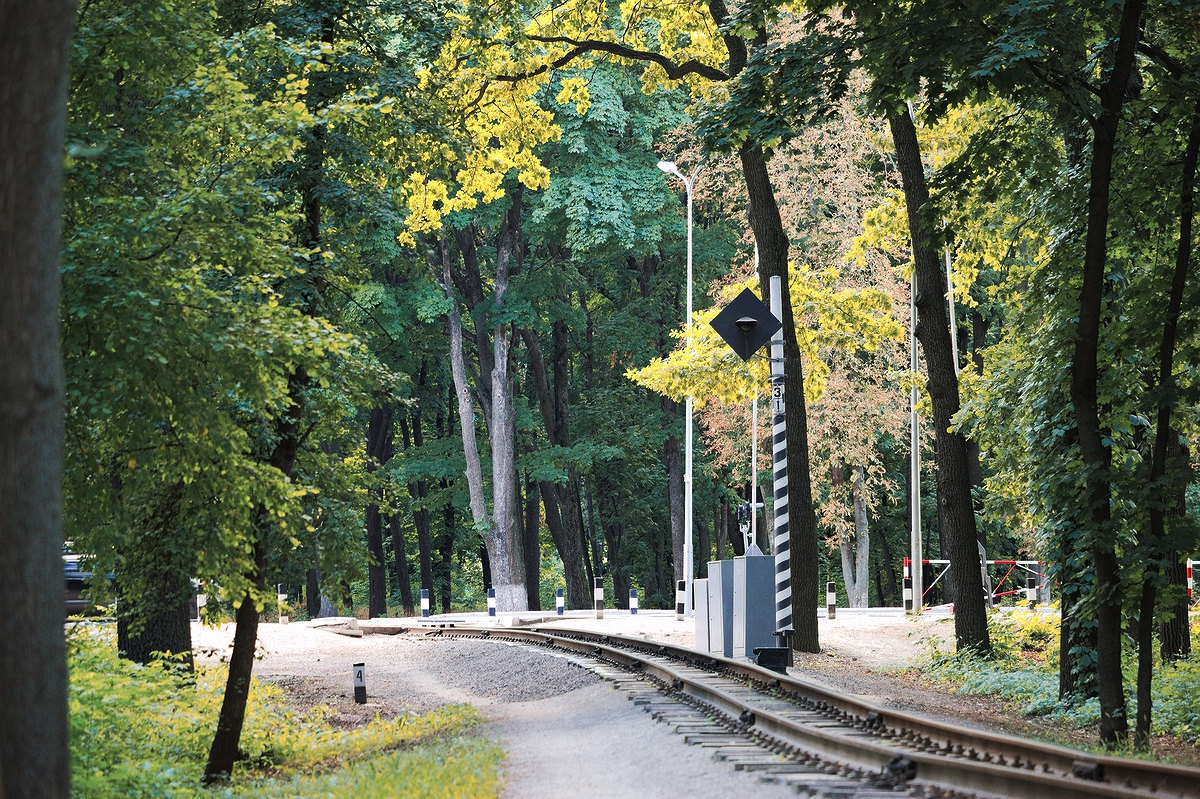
(581, 46)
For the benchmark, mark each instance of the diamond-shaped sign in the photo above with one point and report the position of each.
(746, 324)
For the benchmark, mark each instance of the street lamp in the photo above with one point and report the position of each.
(670, 168)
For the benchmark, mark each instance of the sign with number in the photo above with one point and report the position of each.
(360, 676)
(777, 398)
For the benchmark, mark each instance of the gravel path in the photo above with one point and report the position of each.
(566, 732)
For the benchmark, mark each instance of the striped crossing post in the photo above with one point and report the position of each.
(559, 601)
(1189, 579)
(632, 601)
(783, 566)
(424, 602)
(1031, 590)
(831, 600)
(491, 601)
(598, 594)
(907, 588)
(680, 599)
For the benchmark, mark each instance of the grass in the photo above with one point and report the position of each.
(144, 731)
(1024, 670)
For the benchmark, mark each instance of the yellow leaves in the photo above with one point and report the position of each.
(574, 90)
(704, 367)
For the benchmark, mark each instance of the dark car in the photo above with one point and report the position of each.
(75, 582)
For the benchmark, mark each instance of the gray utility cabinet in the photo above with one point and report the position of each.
(719, 619)
(737, 612)
(753, 604)
(700, 605)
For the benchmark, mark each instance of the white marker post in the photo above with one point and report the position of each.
(360, 683)
(559, 601)
(598, 594)
(491, 601)
(424, 603)
(633, 602)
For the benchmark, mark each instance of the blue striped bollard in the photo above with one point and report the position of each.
(559, 602)
(680, 599)
(831, 600)
(424, 602)
(491, 601)
(632, 601)
(599, 595)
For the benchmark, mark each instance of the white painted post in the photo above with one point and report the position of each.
(360, 683)
(783, 565)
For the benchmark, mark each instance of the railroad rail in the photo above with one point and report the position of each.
(806, 732)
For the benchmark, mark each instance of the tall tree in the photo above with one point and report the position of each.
(34, 66)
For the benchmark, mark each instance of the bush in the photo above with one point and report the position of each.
(141, 731)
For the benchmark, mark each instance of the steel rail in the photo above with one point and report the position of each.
(868, 737)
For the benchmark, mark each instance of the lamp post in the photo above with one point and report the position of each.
(670, 168)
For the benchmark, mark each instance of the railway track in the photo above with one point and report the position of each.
(829, 745)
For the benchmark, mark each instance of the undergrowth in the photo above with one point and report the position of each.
(143, 731)
(1024, 669)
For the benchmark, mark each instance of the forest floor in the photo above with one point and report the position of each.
(873, 654)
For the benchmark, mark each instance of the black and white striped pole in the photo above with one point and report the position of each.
(491, 601)
(360, 683)
(598, 594)
(632, 601)
(783, 565)
(831, 600)
(559, 601)
(680, 599)
(424, 603)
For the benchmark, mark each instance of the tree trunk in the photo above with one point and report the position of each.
(561, 501)
(504, 540)
(1096, 454)
(532, 546)
(379, 452)
(34, 757)
(856, 571)
(955, 507)
(673, 461)
(312, 592)
(224, 750)
(400, 552)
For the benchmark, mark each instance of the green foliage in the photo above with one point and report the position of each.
(141, 731)
(1025, 671)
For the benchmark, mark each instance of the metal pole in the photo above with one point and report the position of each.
(754, 442)
(754, 468)
(783, 566)
(687, 484)
(953, 320)
(671, 168)
(918, 593)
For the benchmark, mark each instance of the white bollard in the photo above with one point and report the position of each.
(281, 598)
(491, 601)
(424, 602)
(831, 600)
(559, 602)
(598, 593)
(360, 683)
(680, 599)
(632, 601)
